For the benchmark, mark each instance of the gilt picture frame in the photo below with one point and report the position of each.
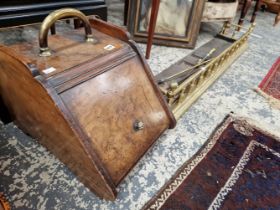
(178, 21)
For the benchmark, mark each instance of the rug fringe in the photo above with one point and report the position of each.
(275, 103)
(265, 128)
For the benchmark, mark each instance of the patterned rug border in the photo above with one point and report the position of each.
(269, 75)
(218, 200)
(274, 102)
(183, 172)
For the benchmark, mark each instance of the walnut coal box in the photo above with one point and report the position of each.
(87, 95)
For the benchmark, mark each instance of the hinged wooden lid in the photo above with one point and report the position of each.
(69, 49)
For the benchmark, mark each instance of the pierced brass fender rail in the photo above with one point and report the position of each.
(181, 97)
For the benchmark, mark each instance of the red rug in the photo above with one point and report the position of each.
(270, 86)
(238, 168)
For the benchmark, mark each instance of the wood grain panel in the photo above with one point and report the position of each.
(107, 112)
(37, 114)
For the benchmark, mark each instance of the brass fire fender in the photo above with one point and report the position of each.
(182, 97)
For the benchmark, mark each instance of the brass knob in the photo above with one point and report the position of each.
(138, 125)
(174, 85)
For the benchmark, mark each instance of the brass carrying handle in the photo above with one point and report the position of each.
(52, 18)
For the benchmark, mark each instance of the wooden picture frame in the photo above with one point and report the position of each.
(177, 25)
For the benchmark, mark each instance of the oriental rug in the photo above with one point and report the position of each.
(270, 85)
(237, 168)
(4, 205)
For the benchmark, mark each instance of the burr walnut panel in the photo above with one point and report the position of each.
(108, 112)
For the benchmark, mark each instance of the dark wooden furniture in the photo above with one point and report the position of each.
(93, 103)
(126, 8)
(21, 12)
(152, 26)
(273, 6)
(245, 8)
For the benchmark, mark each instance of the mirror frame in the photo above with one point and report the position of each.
(187, 41)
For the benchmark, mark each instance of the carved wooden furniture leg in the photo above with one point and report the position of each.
(126, 5)
(247, 4)
(274, 6)
(277, 18)
(257, 6)
(152, 26)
